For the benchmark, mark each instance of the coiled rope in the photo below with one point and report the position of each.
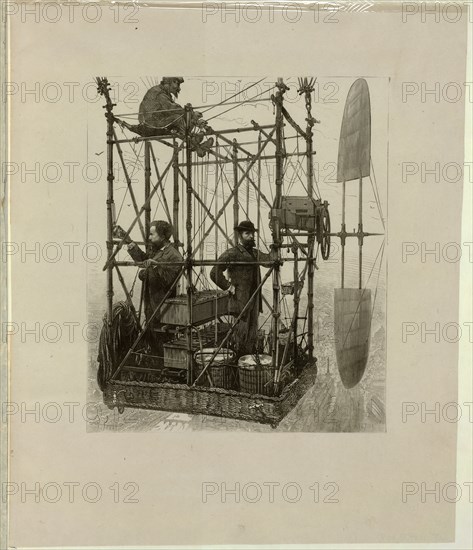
(116, 337)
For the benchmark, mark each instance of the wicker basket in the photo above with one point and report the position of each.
(209, 401)
(221, 371)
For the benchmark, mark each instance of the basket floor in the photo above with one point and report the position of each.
(209, 401)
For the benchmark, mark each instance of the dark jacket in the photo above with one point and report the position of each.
(159, 110)
(158, 278)
(245, 279)
(160, 113)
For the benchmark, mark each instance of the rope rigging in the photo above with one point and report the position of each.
(374, 185)
(119, 328)
(239, 104)
(381, 250)
(231, 97)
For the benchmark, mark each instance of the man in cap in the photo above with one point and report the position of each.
(241, 285)
(159, 114)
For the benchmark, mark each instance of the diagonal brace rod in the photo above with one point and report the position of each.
(232, 328)
(232, 194)
(161, 185)
(129, 184)
(146, 325)
(211, 216)
(142, 209)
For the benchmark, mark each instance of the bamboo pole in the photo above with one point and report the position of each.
(228, 200)
(232, 328)
(193, 263)
(143, 208)
(189, 195)
(146, 325)
(295, 250)
(213, 218)
(276, 229)
(110, 210)
(258, 196)
(147, 188)
(240, 148)
(161, 185)
(130, 186)
(311, 238)
(258, 209)
(235, 194)
(172, 136)
(147, 191)
(176, 199)
(216, 235)
(243, 160)
(292, 333)
(247, 171)
(248, 195)
(128, 296)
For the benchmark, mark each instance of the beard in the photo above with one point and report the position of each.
(249, 244)
(154, 247)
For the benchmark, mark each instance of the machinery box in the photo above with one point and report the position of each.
(206, 306)
(298, 213)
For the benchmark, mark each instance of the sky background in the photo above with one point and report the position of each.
(328, 102)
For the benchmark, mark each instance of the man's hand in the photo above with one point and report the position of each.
(148, 263)
(231, 290)
(120, 233)
(197, 118)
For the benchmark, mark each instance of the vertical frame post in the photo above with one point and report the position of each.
(147, 187)
(311, 237)
(236, 205)
(147, 190)
(190, 359)
(258, 198)
(295, 251)
(176, 199)
(275, 220)
(110, 209)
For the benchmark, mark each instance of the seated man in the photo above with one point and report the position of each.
(244, 280)
(159, 115)
(157, 278)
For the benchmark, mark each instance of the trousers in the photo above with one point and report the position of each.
(246, 332)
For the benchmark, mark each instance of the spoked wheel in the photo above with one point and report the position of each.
(325, 234)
